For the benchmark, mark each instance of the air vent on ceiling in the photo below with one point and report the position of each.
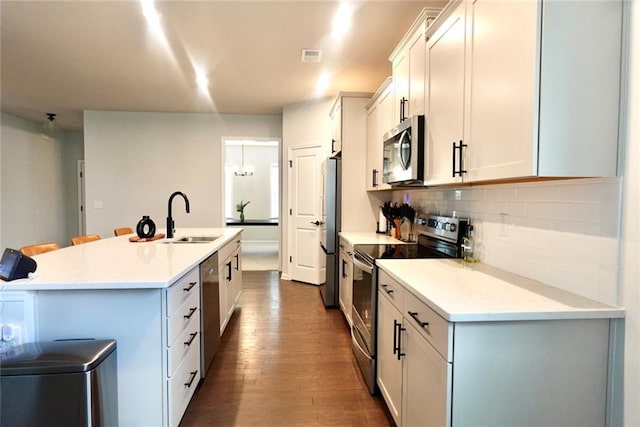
(311, 55)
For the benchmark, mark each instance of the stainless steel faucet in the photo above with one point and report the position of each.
(170, 224)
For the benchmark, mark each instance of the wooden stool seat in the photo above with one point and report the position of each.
(39, 248)
(122, 231)
(78, 240)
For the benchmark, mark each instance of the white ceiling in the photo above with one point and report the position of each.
(64, 57)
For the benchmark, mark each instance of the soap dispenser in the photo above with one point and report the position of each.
(469, 246)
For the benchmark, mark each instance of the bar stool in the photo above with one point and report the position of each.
(39, 248)
(122, 231)
(78, 240)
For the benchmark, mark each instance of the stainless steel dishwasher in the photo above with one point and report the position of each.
(210, 311)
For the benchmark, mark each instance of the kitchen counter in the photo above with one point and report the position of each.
(369, 238)
(117, 263)
(462, 292)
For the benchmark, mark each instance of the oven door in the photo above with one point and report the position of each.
(363, 331)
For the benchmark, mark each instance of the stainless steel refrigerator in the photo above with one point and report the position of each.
(330, 227)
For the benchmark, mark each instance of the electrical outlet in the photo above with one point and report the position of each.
(504, 225)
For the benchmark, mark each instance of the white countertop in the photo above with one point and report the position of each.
(117, 263)
(368, 238)
(462, 292)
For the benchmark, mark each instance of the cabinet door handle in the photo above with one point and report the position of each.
(191, 311)
(229, 271)
(191, 285)
(414, 316)
(387, 290)
(400, 329)
(403, 103)
(460, 171)
(344, 269)
(333, 145)
(395, 336)
(374, 178)
(193, 375)
(453, 160)
(190, 340)
(237, 262)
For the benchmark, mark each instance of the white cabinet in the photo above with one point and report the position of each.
(445, 96)
(157, 332)
(346, 279)
(389, 364)
(336, 128)
(506, 99)
(230, 278)
(408, 69)
(432, 372)
(354, 199)
(379, 121)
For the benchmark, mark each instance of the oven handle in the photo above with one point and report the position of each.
(358, 339)
(365, 267)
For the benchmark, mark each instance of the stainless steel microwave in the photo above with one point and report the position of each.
(403, 155)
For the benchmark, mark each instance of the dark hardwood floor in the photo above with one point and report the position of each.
(284, 360)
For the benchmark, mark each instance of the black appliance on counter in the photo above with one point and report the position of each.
(329, 229)
(440, 237)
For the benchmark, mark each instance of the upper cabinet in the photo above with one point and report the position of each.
(336, 127)
(380, 119)
(522, 89)
(408, 69)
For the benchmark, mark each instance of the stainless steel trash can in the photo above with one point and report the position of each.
(59, 383)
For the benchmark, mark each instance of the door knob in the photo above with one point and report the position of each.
(316, 222)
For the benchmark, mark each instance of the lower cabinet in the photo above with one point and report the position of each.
(346, 279)
(432, 372)
(230, 270)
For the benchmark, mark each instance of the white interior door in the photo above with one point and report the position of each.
(306, 260)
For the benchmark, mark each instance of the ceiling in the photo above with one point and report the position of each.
(64, 57)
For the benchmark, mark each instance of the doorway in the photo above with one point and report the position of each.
(252, 198)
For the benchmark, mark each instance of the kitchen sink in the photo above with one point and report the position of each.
(192, 239)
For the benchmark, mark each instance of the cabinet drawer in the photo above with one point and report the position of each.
(181, 318)
(183, 384)
(229, 248)
(179, 292)
(431, 326)
(185, 343)
(390, 288)
(345, 245)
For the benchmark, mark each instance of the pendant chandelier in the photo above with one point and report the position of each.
(245, 170)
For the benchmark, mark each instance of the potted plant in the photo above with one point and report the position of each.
(240, 208)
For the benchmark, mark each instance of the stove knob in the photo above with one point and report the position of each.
(452, 227)
(446, 226)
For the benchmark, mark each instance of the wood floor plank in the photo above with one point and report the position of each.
(284, 360)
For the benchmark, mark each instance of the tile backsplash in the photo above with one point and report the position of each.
(563, 233)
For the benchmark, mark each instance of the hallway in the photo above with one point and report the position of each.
(284, 360)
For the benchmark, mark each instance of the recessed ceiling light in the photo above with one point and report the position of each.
(311, 55)
(342, 20)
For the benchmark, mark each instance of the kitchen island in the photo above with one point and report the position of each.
(467, 344)
(146, 296)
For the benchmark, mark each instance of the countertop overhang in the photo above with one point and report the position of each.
(462, 292)
(117, 263)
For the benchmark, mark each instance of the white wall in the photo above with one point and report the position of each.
(38, 184)
(630, 241)
(134, 161)
(302, 124)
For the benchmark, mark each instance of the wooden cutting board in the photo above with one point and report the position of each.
(136, 239)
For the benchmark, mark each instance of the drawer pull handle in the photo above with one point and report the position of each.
(191, 311)
(191, 285)
(193, 377)
(193, 337)
(388, 291)
(414, 315)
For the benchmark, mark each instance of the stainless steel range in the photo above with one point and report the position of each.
(439, 237)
